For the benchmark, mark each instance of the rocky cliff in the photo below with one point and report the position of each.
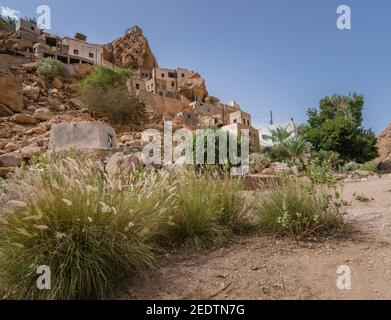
(384, 145)
(194, 87)
(131, 51)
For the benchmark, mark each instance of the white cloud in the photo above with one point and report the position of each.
(8, 12)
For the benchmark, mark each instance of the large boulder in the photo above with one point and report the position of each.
(193, 87)
(10, 93)
(11, 159)
(131, 51)
(384, 145)
(120, 166)
(43, 114)
(81, 71)
(24, 119)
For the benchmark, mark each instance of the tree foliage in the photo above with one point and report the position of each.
(337, 126)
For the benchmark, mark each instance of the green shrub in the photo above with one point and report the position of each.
(117, 104)
(259, 162)
(107, 78)
(51, 68)
(320, 172)
(75, 221)
(200, 143)
(337, 126)
(104, 92)
(300, 211)
(207, 211)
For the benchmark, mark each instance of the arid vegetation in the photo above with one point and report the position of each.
(66, 213)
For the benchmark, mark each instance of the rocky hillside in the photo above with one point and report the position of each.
(131, 51)
(384, 145)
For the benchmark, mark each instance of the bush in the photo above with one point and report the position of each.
(200, 140)
(51, 68)
(298, 211)
(208, 210)
(352, 166)
(337, 126)
(106, 78)
(320, 172)
(117, 104)
(75, 221)
(259, 162)
(104, 92)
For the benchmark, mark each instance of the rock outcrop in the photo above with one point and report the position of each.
(384, 145)
(194, 87)
(131, 51)
(11, 97)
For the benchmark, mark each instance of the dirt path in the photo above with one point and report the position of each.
(259, 267)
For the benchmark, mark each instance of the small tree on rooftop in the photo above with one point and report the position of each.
(7, 20)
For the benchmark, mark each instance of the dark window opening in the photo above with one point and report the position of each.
(172, 75)
(91, 55)
(162, 75)
(137, 86)
(76, 51)
(172, 84)
(183, 75)
(62, 59)
(73, 61)
(110, 141)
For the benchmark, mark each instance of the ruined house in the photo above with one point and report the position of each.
(69, 50)
(166, 82)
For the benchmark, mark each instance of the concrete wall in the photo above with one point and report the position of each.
(93, 135)
(207, 108)
(160, 105)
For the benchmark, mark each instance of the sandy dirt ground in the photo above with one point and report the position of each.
(261, 267)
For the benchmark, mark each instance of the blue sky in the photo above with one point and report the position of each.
(280, 55)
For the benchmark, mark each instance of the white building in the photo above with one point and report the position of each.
(265, 132)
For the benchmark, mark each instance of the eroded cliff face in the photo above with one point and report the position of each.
(194, 88)
(131, 51)
(384, 144)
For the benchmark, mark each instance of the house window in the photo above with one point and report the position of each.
(172, 84)
(76, 52)
(91, 55)
(162, 75)
(110, 141)
(137, 86)
(235, 121)
(183, 75)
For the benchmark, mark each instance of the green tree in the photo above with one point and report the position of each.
(337, 126)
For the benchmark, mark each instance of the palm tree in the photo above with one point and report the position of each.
(280, 135)
(296, 148)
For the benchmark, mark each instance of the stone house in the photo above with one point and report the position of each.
(27, 31)
(166, 82)
(240, 117)
(69, 50)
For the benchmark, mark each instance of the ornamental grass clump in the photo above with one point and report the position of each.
(72, 219)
